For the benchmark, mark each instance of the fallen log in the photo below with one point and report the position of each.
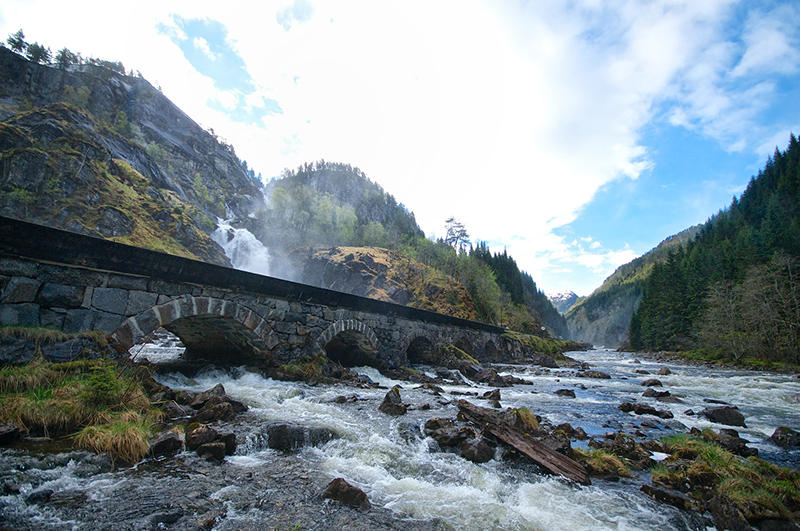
(548, 459)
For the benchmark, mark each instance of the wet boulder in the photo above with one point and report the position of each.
(173, 410)
(785, 437)
(213, 451)
(652, 382)
(493, 397)
(490, 377)
(444, 432)
(166, 442)
(290, 437)
(672, 497)
(199, 434)
(644, 409)
(476, 450)
(557, 441)
(728, 415)
(731, 441)
(727, 515)
(599, 375)
(200, 399)
(214, 413)
(340, 490)
(9, 433)
(567, 393)
(664, 371)
(392, 403)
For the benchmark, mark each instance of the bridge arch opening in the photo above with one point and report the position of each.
(352, 348)
(220, 331)
(421, 351)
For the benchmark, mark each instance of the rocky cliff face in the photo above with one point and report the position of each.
(99, 153)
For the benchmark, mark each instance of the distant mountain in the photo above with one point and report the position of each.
(603, 318)
(563, 301)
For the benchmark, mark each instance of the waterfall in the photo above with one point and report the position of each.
(242, 248)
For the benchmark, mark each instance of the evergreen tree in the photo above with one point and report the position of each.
(17, 42)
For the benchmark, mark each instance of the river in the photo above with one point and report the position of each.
(410, 482)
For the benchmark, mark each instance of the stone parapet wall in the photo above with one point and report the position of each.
(65, 281)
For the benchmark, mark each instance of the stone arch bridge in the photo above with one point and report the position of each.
(70, 282)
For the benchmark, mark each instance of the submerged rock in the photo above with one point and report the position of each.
(340, 490)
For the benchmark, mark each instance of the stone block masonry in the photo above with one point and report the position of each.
(70, 282)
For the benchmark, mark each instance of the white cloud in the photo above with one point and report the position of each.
(772, 42)
(510, 116)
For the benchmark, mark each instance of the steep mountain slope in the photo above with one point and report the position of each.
(734, 291)
(106, 154)
(604, 317)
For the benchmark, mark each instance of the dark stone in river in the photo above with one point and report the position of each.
(652, 382)
(392, 403)
(9, 433)
(672, 497)
(290, 437)
(730, 440)
(39, 496)
(726, 515)
(217, 412)
(594, 374)
(727, 415)
(200, 399)
(214, 451)
(568, 393)
(173, 410)
(199, 434)
(664, 371)
(476, 450)
(341, 490)
(785, 437)
(166, 442)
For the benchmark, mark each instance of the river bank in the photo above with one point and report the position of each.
(410, 481)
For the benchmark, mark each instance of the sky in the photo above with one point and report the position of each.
(575, 135)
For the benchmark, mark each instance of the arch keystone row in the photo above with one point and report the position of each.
(345, 325)
(133, 329)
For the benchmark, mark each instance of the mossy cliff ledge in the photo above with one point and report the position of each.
(108, 155)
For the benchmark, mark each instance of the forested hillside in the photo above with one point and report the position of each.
(314, 211)
(604, 317)
(735, 290)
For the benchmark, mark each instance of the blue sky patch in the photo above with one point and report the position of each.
(204, 43)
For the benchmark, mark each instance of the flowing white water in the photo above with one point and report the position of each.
(243, 249)
(413, 477)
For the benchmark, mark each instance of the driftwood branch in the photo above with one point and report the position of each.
(548, 459)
